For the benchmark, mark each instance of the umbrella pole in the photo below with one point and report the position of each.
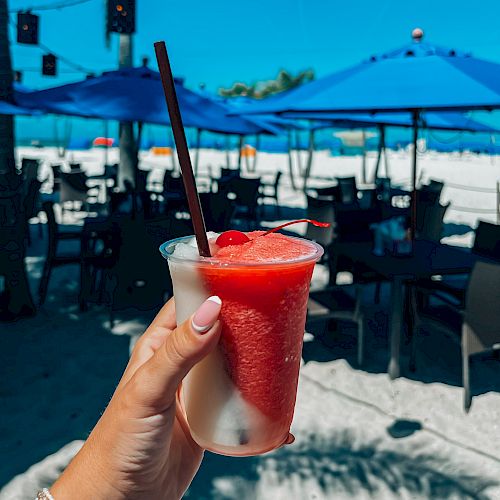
(228, 154)
(197, 156)
(381, 145)
(290, 160)
(363, 162)
(416, 115)
(106, 151)
(297, 152)
(386, 163)
(257, 147)
(240, 150)
(307, 172)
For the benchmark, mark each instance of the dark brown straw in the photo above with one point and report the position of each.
(167, 81)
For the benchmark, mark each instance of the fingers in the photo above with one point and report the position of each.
(156, 382)
(151, 340)
(166, 316)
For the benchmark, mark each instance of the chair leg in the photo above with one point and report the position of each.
(44, 282)
(413, 352)
(361, 341)
(466, 382)
(378, 287)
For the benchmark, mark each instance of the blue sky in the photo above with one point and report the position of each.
(218, 42)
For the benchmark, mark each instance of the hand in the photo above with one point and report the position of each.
(140, 448)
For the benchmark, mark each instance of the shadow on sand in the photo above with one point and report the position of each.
(334, 467)
(438, 356)
(453, 229)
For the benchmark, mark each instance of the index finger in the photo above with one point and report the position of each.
(166, 317)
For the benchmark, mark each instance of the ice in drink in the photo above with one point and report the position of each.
(240, 399)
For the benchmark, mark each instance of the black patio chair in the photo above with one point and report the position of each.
(430, 220)
(246, 192)
(15, 295)
(29, 169)
(430, 193)
(452, 289)
(56, 178)
(337, 304)
(270, 190)
(347, 191)
(32, 206)
(476, 328)
(218, 210)
(54, 258)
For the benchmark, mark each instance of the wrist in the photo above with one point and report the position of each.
(85, 477)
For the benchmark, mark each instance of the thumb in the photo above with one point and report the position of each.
(156, 382)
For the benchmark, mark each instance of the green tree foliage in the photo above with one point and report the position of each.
(260, 90)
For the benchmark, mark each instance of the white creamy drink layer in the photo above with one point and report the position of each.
(217, 414)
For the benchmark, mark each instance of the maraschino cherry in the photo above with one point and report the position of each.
(231, 237)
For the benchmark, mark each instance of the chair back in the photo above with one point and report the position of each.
(430, 221)
(140, 275)
(383, 188)
(111, 172)
(368, 198)
(73, 187)
(326, 191)
(246, 191)
(48, 208)
(167, 175)
(430, 193)
(487, 240)
(279, 173)
(218, 210)
(173, 185)
(320, 209)
(229, 172)
(482, 306)
(347, 190)
(141, 178)
(31, 199)
(29, 168)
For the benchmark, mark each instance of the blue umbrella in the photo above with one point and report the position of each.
(418, 77)
(136, 94)
(10, 108)
(443, 120)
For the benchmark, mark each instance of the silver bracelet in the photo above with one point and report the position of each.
(44, 495)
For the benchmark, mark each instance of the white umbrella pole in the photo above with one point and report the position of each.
(197, 156)
(381, 146)
(416, 115)
(228, 154)
(240, 148)
(290, 161)
(363, 162)
(307, 172)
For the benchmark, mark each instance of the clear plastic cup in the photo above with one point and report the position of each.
(240, 399)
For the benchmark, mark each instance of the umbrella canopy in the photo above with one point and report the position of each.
(419, 76)
(444, 120)
(136, 94)
(8, 108)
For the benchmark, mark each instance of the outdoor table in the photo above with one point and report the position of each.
(427, 259)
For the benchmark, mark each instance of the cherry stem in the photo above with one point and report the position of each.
(310, 221)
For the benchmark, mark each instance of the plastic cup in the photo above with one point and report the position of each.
(240, 399)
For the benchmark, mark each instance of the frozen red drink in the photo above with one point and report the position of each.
(240, 399)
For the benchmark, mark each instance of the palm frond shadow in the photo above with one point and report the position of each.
(336, 466)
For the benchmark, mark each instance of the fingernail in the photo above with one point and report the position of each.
(206, 315)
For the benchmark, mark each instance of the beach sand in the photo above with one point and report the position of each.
(59, 370)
